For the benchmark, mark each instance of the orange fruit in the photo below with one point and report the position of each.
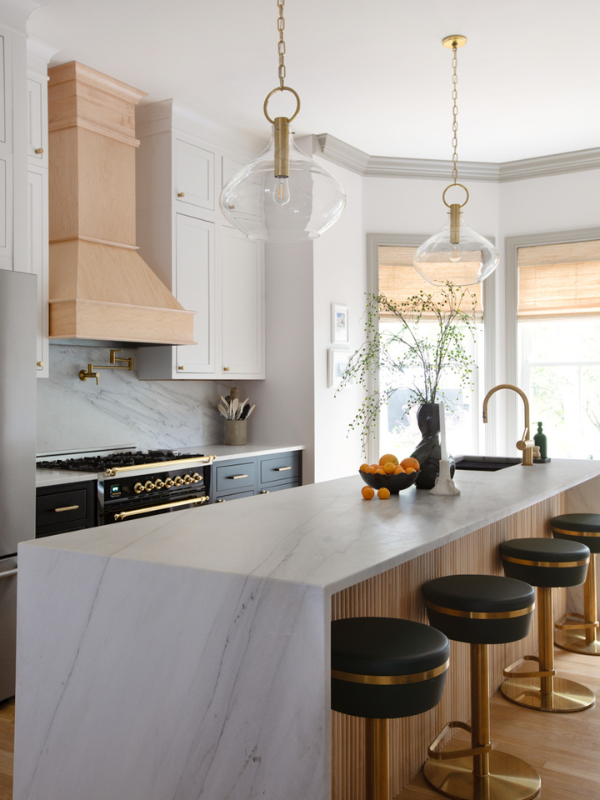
(410, 470)
(399, 471)
(388, 457)
(379, 471)
(363, 467)
(369, 470)
(368, 493)
(383, 493)
(375, 466)
(389, 467)
(410, 462)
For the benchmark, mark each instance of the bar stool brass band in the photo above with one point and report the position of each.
(547, 563)
(575, 533)
(389, 680)
(455, 612)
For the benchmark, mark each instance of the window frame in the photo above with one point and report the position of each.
(374, 241)
(511, 293)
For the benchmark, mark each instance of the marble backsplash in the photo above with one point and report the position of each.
(73, 414)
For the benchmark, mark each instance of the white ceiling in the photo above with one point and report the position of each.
(370, 72)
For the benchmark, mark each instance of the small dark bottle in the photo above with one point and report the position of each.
(541, 442)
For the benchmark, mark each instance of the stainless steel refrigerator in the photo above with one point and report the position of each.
(18, 331)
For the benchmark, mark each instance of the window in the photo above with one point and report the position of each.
(398, 431)
(559, 342)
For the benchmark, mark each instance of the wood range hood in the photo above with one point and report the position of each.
(100, 287)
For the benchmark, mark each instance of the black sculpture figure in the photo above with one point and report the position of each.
(429, 452)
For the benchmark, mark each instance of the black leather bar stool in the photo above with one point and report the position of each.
(480, 610)
(579, 632)
(546, 564)
(382, 668)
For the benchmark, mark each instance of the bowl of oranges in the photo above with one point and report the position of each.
(390, 474)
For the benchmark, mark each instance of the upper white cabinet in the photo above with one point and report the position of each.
(37, 119)
(211, 268)
(194, 175)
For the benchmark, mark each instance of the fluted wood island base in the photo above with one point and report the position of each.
(187, 655)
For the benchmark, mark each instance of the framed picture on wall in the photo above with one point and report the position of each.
(339, 324)
(337, 363)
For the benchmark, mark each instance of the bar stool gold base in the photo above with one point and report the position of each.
(510, 778)
(566, 697)
(575, 640)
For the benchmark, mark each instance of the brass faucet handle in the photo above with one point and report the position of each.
(85, 374)
(524, 444)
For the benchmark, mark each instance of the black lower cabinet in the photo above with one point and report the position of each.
(60, 509)
(245, 477)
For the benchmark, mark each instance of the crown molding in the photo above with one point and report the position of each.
(355, 160)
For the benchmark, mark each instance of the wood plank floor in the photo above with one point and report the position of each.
(563, 748)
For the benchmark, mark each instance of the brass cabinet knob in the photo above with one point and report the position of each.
(264, 491)
(220, 500)
(138, 488)
(40, 364)
(169, 482)
(188, 479)
(178, 480)
(226, 369)
(159, 484)
(39, 151)
(148, 486)
(196, 478)
(180, 367)
(180, 194)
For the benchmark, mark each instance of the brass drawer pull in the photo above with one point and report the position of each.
(264, 491)
(180, 194)
(226, 369)
(65, 508)
(40, 364)
(39, 151)
(148, 509)
(235, 477)
(281, 469)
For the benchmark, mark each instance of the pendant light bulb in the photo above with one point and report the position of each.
(281, 195)
(456, 254)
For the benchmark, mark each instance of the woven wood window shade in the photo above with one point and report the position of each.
(559, 280)
(399, 280)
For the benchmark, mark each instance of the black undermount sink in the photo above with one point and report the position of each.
(485, 463)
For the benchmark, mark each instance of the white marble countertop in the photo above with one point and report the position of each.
(56, 477)
(325, 535)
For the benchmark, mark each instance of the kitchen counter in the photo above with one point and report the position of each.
(187, 656)
(56, 477)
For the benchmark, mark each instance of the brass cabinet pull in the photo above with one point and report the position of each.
(40, 364)
(226, 369)
(110, 473)
(281, 469)
(264, 491)
(39, 151)
(180, 367)
(235, 477)
(180, 194)
(148, 509)
(65, 508)
(220, 500)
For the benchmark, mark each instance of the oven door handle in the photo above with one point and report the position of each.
(148, 509)
(165, 465)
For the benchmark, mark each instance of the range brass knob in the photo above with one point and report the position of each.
(138, 488)
(197, 478)
(169, 482)
(188, 479)
(148, 486)
(159, 484)
(178, 480)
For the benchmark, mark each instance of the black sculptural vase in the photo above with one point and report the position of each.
(429, 452)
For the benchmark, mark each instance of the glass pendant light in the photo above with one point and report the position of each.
(283, 195)
(456, 254)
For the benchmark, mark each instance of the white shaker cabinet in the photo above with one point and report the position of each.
(37, 238)
(242, 292)
(210, 267)
(37, 119)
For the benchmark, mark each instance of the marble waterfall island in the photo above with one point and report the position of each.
(186, 656)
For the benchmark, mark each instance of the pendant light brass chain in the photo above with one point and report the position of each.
(454, 117)
(281, 43)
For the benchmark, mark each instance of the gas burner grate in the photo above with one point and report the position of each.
(114, 460)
